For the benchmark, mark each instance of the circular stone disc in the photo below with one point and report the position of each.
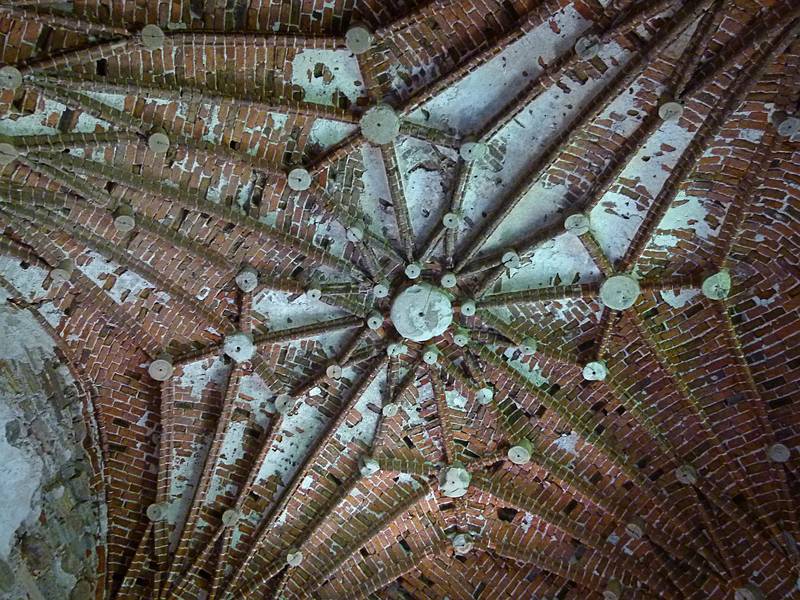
(247, 279)
(160, 369)
(448, 280)
(619, 292)
(577, 224)
(528, 345)
(413, 270)
(158, 143)
(468, 308)
(396, 350)
(389, 410)
(789, 126)
(430, 356)
(239, 346)
(686, 474)
(355, 234)
(454, 482)
(10, 78)
(299, 179)
(374, 320)
(670, 111)
(421, 312)
(587, 47)
(635, 529)
(152, 37)
(59, 276)
(511, 260)
(124, 223)
(156, 512)
(595, 371)
(229, 517)
(461, 544)
(380, 125)
(450, 220)
(381, 290)
(358, 39)
(717, 286)
(485, 395)
(461, 339)
(293, 559)
(779, 453)
(519, 455)
(472, 151)
(8, 153)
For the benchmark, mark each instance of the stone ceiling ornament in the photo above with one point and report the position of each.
(358, 39)
(124, 219)
(473, 151)
(239, 346)
(161, 368)
(299, 179)
(670, 111)
(158, 142)
(63, 272)
(619, 292)
(152, 37)
(595, 371)
(247, 279)
(380, 125)
(577, 224)
(462, 544)
(454, 481)
(421, 312)
(717, 286)
(10, 78)
(520, 453)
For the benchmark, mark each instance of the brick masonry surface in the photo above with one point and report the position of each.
(613, 188)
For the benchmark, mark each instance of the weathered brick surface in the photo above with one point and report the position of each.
(248, 91)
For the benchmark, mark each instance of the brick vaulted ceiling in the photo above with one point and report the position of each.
(602, 196)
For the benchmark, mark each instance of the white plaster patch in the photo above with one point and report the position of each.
(455, 400)
(531, 372)
(36, 123)
(51, 313)
(565, 257)
(365, 428)
(21, 474)
(340, 70)
(27, 282)
(127, 286)
(281, 311)
(680, 299)
(262, 404)
(683, 214)
(502, 77)
(197, 375)
(30, 339)
(327, 133)
(567, 443)
(375, 197)
(616, 217)
(427, 170)
(298, 431)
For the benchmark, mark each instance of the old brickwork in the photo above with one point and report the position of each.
(225, 202)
